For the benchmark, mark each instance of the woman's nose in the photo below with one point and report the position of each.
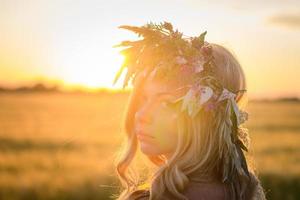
(144, 114)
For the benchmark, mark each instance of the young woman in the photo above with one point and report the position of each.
(184, 114)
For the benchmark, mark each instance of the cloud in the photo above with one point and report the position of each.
(247, 5)
(285, 20)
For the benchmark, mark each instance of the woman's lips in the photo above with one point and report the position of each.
(143, 136)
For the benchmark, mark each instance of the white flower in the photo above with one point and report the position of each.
(198, 68)
(181, 60)
(193, 102)
(226, 95)
(205, 94)
(198, 65)
(187, 99)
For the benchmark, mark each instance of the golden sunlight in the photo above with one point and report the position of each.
(90, 71)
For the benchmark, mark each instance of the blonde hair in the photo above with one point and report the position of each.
(204, 144)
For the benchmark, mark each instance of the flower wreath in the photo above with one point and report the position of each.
(165, 53)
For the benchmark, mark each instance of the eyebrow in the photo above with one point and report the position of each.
(168, 93)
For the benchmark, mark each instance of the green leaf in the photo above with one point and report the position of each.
(135, 29)
(243, 162)
(241, 144)
(128, 76)
(118, 74)
(196, 109)
(186, 99)
(129, 43)
(202, 37)
(168, 26)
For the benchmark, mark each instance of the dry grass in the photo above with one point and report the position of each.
(61, 146)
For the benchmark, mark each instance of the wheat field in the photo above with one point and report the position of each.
(62, 145)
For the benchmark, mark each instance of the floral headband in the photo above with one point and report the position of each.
(165, 54)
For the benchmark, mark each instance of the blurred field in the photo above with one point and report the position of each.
(61, 146)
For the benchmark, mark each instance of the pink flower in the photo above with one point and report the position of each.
(210, 106)
(180, 60)
(198, 63)
(186, 69)
(206, 49)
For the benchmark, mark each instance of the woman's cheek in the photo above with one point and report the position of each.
(165, 129)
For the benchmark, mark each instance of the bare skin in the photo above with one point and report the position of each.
(156, 118)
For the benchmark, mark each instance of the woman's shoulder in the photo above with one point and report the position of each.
(220, 191)
(212, 191)
(193, 191)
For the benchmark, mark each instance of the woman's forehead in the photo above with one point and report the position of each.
(172, 87)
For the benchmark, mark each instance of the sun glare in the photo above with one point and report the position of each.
(91, 71)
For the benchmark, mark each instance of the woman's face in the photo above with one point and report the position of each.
(155, 120)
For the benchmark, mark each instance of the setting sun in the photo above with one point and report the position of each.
(91, 70)
(76, 49)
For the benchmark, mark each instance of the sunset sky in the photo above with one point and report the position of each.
(70, 42)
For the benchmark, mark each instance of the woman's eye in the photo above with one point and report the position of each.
(166, 103)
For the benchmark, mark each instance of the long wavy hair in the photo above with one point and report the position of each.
(204, 148)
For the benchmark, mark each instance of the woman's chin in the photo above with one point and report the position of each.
(149, 149)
